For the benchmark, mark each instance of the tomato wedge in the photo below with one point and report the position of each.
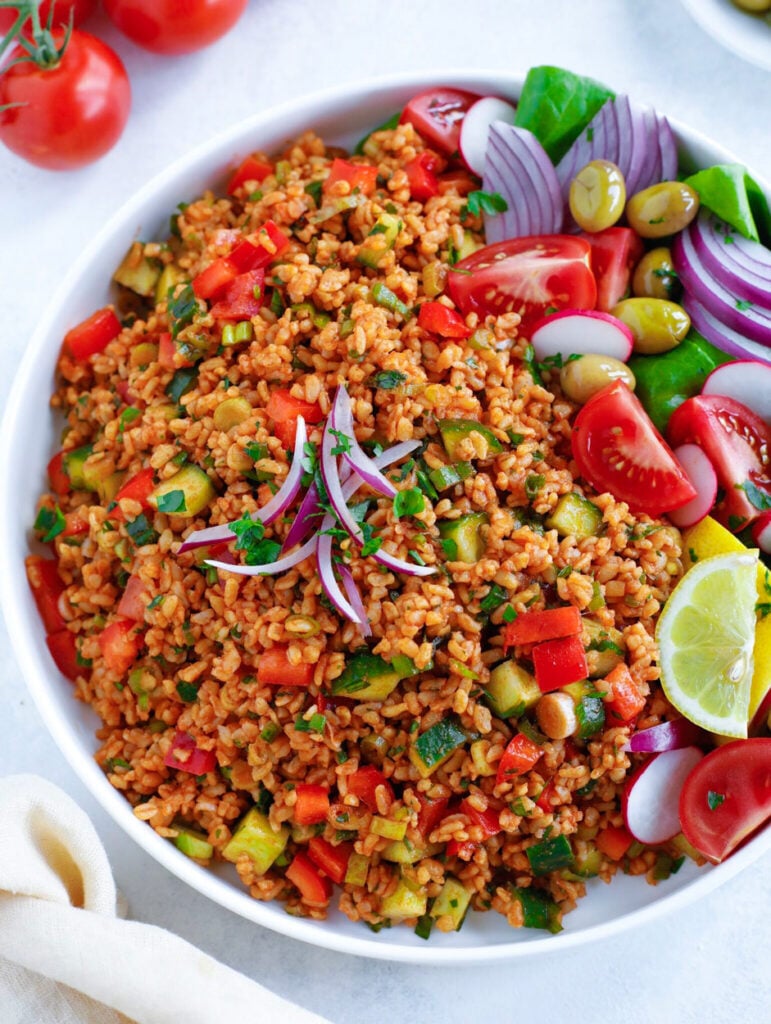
(438, 115)
(527, 276)
(615, 253)
(619, 450)
(738, 444)
(727, 797)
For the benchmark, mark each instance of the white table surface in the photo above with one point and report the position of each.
(710, 963)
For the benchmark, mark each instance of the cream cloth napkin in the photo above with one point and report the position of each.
(66, 958)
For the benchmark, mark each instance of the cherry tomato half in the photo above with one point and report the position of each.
(80, 10)
(438, 114)
(619, 450)
(174, 26)
(68, 115)
(738, 444)
(727, 797)
(526, 276)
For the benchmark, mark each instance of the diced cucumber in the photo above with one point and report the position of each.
(452, 901)
(433, 747)
(550, 855)
(193, 844)
(109, 487)
(380, 240)
(170, 277)
(231, 413)
(388, 829)
(511, 690)
(406, 667)
(95, 471)
(455, 431)
(138, 273)
(73, 466)
(357, 870)
(403, 851)
(141, 683)
(185, 494)
(404, 902)
(575, 516)
(590, 712)
(143, 354)
(588, 861)
(682, 845)
(304, 310)
(444, 477)
(255, 837)
(368, 677)
(538, 911)
(461, 538)
(605, 648)
(481, 764)
(468, 246)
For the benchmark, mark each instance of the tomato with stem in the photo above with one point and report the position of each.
(173, 27)
(58, 11)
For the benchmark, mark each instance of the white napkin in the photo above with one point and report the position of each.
(66, 958)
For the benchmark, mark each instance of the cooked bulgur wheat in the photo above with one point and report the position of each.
(208, 630)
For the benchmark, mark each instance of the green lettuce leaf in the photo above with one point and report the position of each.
(730, 192)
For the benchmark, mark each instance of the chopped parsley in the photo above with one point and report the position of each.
(714, 800)
(533, 484)
(493, 599)
(409, 502)
(743, 305)
(478, 202)
(250, 534)
(388, 379)
(49, 523)
(313, 189)
(277, 303)
(343, 442)
(760, 499)
(172, 501)
(128, 416)
(184, 380)
(182, 309)
(140, 531)
(187, 691)
(155, 601)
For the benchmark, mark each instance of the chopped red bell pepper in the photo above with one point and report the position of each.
(215, 278)
(62, 646)
(57, 476)
(120, 644)
(559, 662)
(364, 782)
(543, 801)
(312, 803)
(519, 757)
(431, 813)
(92, 335)
(271, 243)
(283, 408)
(134, 600)
(333, 860)
(251, 169)
(185, 756)
(75, 523)
(421, 175)
(47, 588)
(169, 356)
(437, 318)
(360, 176)
(487, 820)
(314, 888)
(535, 626)
(464, 850)
(624, 701)
(242, 299)
(275, 669)
(613, 842)
(139, 488)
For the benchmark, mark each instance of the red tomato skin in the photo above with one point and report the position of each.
(57, 477)
(526, 276)
(93, 335)
(69, 115)
(559, 662)
(172, 27)
(80, 10)
(535, 626)
(438, 115)
(134, 600)
(199, 762)
(332, 860)
(251, 169)
(47, 587)
(431, 813)
(441, 320)
(361, 176)
(738, 443)
(239, 302)
(312, 804)
(138, 488)
(314, 888)
(64, 652)
(275, 669)
(421, 175)
(615, 254)
(486, 820)
(119, 644)
(611, 434)
(740, 772)
(520, 756)
(364, 782)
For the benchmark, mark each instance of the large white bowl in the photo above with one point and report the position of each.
(29, 437)
(748, 35)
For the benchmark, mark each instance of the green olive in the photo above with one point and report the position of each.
(597, 195)
(584, 377)
(756, 6)
(231, 412)
(657, 325)
(662, 209)
(655, 276)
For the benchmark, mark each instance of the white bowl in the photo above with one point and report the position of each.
(748, 35)
(29, 437)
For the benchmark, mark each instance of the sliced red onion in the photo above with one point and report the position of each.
(307, 520)
(395, 454)
(341, 419)
(355, 598)
(269, 568)
(731, 342)
(739, 264)
(640, 159)
(666, 736)
(519, 169)
(598, 141)
(327, 574)
(668, 149)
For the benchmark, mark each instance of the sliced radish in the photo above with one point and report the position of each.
(651, 797)
(582, 332)
(476, 127)
(747, 381)
(761, 532)
(702, 475)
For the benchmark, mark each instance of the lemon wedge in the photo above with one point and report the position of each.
(706, 636)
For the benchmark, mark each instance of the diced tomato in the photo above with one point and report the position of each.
(312, 803)
(251, 169)
(615, 254)
(242, 299)
(169, 356)
(438, 115)
(464, 850)
(124, 391)
(544, 802)
(360, 176)
(614, 842)
(134, 600)
(275, 669)
(283, 408)
(439, 319)
(624, 702)
(92, 335)
(75, 523)
(559, 662)
(333, 860)
(271, 243)
(214, 278)
(487, 820)
(64, 651)
(139, 488)
(364, 782)
(457, 180)
(185, 756)
(47, 588)
(120, 644)
(431, 813)
(57, 477)
(421, 175)
(314, 888)
(520, 756)
(535, 626)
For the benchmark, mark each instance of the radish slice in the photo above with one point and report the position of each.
(761, 531)
(476, 127)
(581, 332)
(652, 795)
(666, 736)
(747, 381)
(702, 475)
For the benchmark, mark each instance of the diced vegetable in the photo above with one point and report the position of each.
(193, 844)
(93, 335)
(462, 539)
(575, 516)
(614, 842)
(404, 902)
(488, 820)
(184, 755)
(185, 494)
(120, 644)
(520, 755)
(364, 783)
(605, 648)
(478, 751)
(405, 852)
(380, 240)
(333, 860)
(62, 646)
(452, 902)
(358, 176)
(284, 409)
(275, 669)
(536, 626)
(357, 870)
(444, 477)
(231, 413)
(73, 463)
(313, 887)
(624, 701)
(137, 272)
(511, 690)
(440, 319)
(312, 804)
(134, 600)
(47, 587)
(587, 861)
(256, 838)
(388, 829)
(538, 911)
(550, 855)
(559, 662)
(455, 432)
(250, 169)
(436, 745)
(367, 677)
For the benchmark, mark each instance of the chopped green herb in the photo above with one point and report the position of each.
(172, 501)
(714, 800)
(128, 416)
(270, 732)
(743, 305)
(493, 599)
(140, 531)
(409, 502)
(187, 691)
(277, 303)
(478, 202)
(155, 601)
(735, 523)
(343, 442)
(416, 557)
(759, 498)
(49, 523)
(383, 296)
(313, 189)
(182, 309)
(388, 379)
(315, 723)
(515, 438)
(533, 484)
(450, 548)
(184, 380)
(250, 535)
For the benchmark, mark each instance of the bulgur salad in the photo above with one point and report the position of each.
(363, 531)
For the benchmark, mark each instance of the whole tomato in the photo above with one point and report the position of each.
(80, 10)
(174, 26)
(67, 107)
